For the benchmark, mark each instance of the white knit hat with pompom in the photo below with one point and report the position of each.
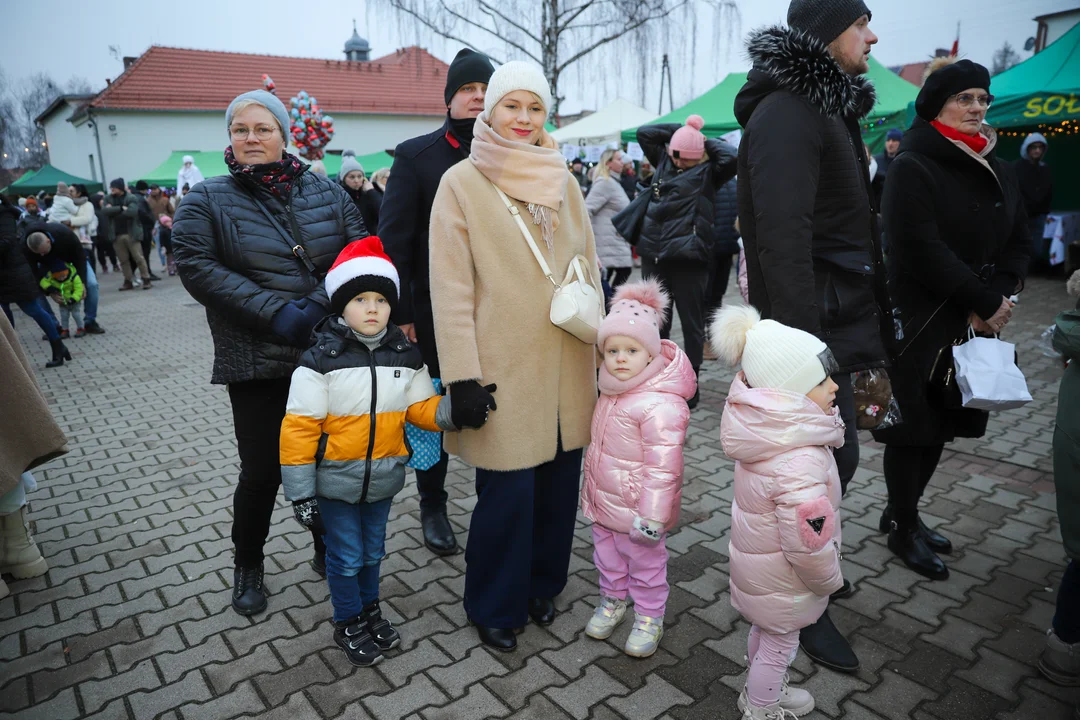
(517, 75)
(772, 355)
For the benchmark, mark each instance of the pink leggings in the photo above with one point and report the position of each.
(626, 566)
(770, 655)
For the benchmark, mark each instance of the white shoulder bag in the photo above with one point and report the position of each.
(576, 306)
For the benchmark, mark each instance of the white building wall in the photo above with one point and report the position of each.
(71, 148)
(134, 143)
(1059, 25)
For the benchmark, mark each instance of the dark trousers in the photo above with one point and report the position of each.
(40, 314)
(106, 253)
(688, 285)
(519, 539)
(718, 284)
(1067, 615)
(430, 484)
(847, 457)
(258, 408)
(617, 276)
(907, 473)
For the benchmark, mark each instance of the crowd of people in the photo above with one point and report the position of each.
(347, 313)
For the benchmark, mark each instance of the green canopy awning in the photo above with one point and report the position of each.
(717, 106)
(45, 179)
(1042, 90)
(212, 164)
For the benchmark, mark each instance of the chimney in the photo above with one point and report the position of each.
(129, 61)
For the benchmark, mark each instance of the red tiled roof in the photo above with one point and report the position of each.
(912, 72)
(409, 81)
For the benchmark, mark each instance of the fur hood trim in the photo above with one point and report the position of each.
(802, 65)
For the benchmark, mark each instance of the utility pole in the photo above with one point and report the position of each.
(665, 74)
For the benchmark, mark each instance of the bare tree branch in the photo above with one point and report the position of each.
(574, 15)
(490, 9)
(629, 27)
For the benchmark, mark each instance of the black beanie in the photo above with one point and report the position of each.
(141, 186)
(468, 67)
(825, 20)
(118, 183)
(947, 81)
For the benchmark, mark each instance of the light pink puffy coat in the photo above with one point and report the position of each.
(785, 518)
(634, 465)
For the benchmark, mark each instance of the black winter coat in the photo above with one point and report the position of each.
(813, 260)
(369, 204)
(234, 261)
(1036, 185)
(958, 240)
(726, 212)
(17, 283)
(679, 221)
(66, 248)
(419, 165)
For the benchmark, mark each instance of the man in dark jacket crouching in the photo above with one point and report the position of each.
(812, 255)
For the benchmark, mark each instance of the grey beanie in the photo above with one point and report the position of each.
(825, 20)
(269, 101)
(349, 164)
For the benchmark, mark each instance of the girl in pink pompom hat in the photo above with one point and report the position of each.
(677, 238)
(634, 466)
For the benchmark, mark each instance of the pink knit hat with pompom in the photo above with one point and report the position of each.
(637, 311)
(688, 143)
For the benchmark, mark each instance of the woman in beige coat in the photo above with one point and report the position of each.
(498, 349)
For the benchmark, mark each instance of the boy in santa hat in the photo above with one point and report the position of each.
(358, 384)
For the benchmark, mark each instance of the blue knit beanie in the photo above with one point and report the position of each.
(267, 100)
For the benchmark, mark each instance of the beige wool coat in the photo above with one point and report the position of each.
(491, 303)
(29, 436)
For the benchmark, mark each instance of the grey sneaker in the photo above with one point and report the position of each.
(1060, 662)
(645, 637)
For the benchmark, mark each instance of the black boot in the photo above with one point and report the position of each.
(59, 354)
(502, 639)
(824, 644)
(438, 535)
(384, 634)
(318, 563)
(845, 591)
(542, 611)
(934, 540)
(249, 595)
(353, 637)
(908, 544)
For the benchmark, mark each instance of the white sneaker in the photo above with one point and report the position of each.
(770, 712)
(606, 618)
(796, 701)
(645, 637)
(19, 555)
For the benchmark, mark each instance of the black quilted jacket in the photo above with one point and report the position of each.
(17, 282)
(234, 261)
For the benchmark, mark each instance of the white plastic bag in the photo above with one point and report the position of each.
(987, 375)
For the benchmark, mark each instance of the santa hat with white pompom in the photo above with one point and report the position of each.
(361, 267)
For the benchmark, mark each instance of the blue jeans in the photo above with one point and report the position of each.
(91, 295)
(38, 313)
(355, 546)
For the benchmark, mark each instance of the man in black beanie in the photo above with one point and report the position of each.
(418, 167)
(813, 256)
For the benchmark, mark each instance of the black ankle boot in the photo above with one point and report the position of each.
(438, 534)
(823, 643)
(59, 354)
(908, 544)
(501, 639)
(934, 540)
(249, 595)
(542, 611)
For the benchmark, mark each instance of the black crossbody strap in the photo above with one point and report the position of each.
(295, 241)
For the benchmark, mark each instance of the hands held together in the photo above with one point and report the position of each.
(996, 323)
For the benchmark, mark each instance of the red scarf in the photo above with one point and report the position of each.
(976, 142)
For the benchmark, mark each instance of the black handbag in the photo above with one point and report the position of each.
(941, 383)
(628, 222)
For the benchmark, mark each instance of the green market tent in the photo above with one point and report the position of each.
(212, 164)
(45, 179)
(717, 105)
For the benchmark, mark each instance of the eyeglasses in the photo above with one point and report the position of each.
(262, 132)
(965, 100)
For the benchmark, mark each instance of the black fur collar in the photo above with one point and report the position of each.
(802, 64)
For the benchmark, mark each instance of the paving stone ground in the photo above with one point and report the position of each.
(133, 619)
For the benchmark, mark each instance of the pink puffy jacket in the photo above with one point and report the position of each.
(634, 465)
(785, 518)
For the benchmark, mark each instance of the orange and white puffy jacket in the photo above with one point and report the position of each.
(360, 401)
(785, 517)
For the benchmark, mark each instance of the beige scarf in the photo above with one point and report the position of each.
(533, 174)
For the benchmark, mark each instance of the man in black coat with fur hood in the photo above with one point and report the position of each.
(813, 257)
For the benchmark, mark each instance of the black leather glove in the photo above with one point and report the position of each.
(296, 320)
(470, 403)
(307, 514)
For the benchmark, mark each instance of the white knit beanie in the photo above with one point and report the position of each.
(772, 355)
(517, 75)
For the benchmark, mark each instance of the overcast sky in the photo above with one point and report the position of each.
(67, 39)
